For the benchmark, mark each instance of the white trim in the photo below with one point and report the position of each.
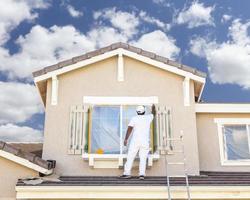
(230, 121)
(131, 192)
(54, 90)
(112, 160)
(24, 162)
(120, 68)
(186, 91)
(163, 66)
(221, 108)
(104, 100)
(202, 88)
(112, 53)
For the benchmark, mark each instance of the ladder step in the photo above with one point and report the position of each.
(176, 163)
(177, 176)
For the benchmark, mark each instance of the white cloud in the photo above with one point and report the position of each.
(196, 15)
(159, 43)
(42, 47)
(152, 20)
(165, 3)
(13, 133)
(73, 12)
(228, 62)
(225, 18)
(126, 22)
(13, 12)
(18, 102)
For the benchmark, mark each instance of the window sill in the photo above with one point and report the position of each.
(236, 163)
(113, 160)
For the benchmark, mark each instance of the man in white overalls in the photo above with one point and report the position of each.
(139, 126)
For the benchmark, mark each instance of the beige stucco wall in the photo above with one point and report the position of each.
(100, 79)
(9, 173)
(208, 142)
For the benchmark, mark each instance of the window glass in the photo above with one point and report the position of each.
(105, 130)
(236, 142)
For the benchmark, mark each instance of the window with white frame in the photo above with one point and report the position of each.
(234, 138)
(108, 127)
(236, 142)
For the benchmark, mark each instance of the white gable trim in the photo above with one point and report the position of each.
(24, 162)
(54, 90)
(221, 108)
(126, 53)
(120, 68)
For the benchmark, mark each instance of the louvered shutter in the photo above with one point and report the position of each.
(163, 129)
(77, 129)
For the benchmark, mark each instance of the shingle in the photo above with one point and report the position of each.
(200, 73)
(161, 59)
(93, 53)
(116, 46)
(10, 149)
(80, 58)
(188, 69)
(51, 68)
(134, 49)
(65, 63)
(2, 144)
(173, 63)
(105, 49)
(41, 162)
(147, 54)
(27, 156)
(38, 73)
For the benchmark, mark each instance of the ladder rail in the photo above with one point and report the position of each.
(182, 151)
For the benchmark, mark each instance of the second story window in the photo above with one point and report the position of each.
(236, 142)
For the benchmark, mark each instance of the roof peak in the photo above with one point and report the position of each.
(115, 46)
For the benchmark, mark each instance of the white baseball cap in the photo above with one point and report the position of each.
(140, 109)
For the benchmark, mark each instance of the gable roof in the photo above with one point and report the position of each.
(115, 46)
(24, 158)
(117, 49)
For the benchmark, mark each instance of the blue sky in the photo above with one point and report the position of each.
(213, 36)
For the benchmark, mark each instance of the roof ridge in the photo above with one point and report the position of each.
(114, 46)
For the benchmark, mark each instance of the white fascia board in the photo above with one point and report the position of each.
(103, 100)
(24, 162)
(77, 65)
(163, 66)
(222, 108)
(202, 88)
(109, 54)
(131, 192)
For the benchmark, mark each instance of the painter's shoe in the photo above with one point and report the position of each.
(141, 177)
(125, 176)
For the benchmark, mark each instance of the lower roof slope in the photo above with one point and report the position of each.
(205, 179)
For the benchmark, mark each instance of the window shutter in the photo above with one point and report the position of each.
(77, 128)
(163, 128)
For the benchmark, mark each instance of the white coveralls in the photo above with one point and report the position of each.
(139, 142)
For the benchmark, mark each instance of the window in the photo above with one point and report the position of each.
(108, 128)
(234, 139)
(236, 143)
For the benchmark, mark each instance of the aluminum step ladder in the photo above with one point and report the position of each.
(168, 141)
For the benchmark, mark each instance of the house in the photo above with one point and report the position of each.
(88, 102)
